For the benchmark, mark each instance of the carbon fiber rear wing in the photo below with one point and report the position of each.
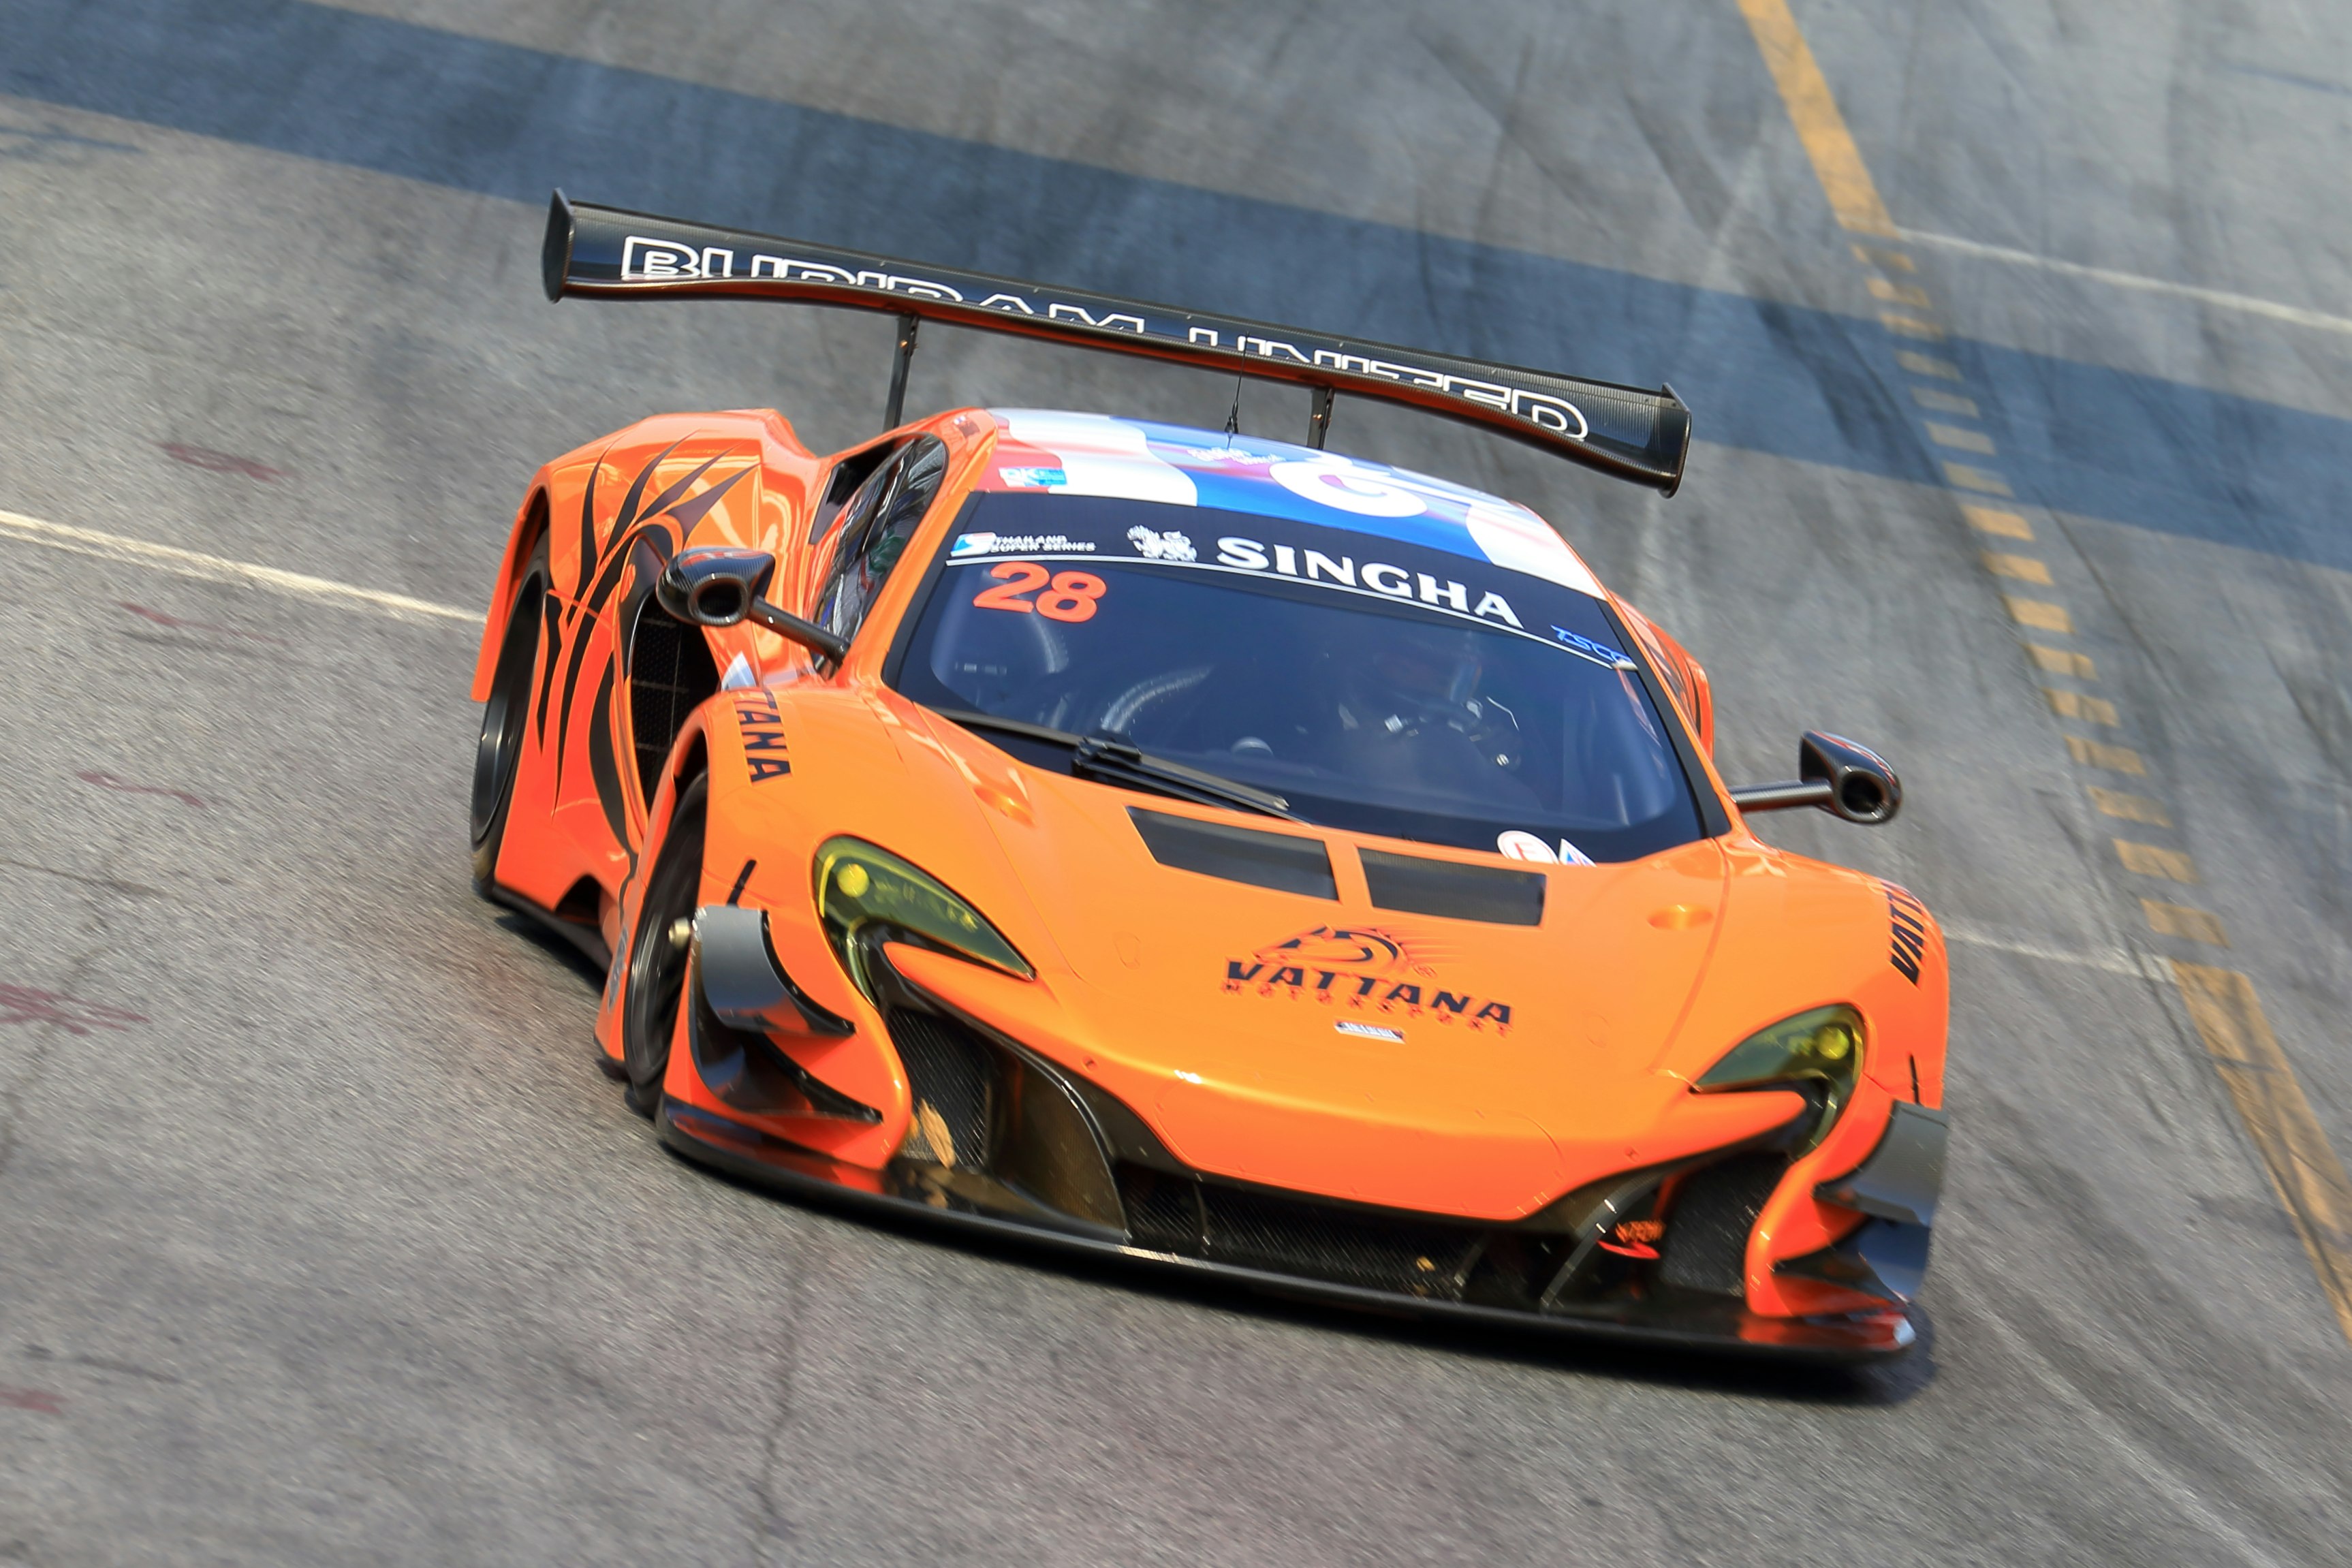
(1625, 431)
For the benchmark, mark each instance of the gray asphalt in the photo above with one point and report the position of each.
(322, 1240)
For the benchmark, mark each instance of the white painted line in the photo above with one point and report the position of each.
(215, 568)
(2113, 960)
(2293, 315)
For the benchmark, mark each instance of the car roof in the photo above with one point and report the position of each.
(1057, 452)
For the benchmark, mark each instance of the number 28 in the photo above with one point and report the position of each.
(1070, 598)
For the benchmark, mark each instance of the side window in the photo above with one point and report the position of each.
(877, 521)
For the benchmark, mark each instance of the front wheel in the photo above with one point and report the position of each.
(658, 950)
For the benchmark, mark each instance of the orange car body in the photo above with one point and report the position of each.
(1501, 1069)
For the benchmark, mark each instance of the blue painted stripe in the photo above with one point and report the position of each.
(1811, 385)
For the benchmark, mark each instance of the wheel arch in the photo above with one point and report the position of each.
(531, 524)
(689, 757)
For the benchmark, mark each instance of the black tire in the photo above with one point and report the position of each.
(658, 955)
(504, 717)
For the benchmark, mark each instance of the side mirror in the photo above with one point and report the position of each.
(720, 586)
(1850, 782)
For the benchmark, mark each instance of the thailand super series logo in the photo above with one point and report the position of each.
(1369, 970)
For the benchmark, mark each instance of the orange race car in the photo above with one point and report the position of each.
(1200, 850)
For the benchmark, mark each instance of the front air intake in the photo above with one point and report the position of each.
(1249, 1228)
(954, 1078)
(1705, 1246)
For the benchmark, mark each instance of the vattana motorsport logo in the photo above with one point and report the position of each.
(1363, 969)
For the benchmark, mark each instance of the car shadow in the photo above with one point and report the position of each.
(554, 946)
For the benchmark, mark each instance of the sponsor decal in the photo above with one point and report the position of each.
(1369, 1031)
(970, 544)
(762, 723)
(1034, 478)
(645, 261)
(648, 259)
(1253, 556)
(1906, 932)
(1585, 645)
(1363, 969)
(1157, 546)
(1516, 844)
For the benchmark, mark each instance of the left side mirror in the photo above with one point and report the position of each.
(1850, 782)
(720, 586)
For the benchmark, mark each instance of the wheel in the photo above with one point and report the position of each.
(658, 950)
(504, 715)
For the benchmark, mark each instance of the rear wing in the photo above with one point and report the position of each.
(606, 253)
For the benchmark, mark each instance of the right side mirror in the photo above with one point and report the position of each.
(1850, 782)
(720, 586)
(714, 585)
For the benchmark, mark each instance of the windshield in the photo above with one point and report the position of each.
(1375, 685)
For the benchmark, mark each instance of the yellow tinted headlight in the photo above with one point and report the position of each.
(1822, 1047)
(858, 886)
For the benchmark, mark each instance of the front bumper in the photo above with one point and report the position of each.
(1010, 1145)
(1665, 1318)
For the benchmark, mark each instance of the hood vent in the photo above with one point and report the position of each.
(1454, 890)
(1283, 862)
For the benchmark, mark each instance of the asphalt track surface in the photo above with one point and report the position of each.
(321, 1239)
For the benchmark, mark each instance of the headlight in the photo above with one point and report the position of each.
(1818, 1052)
(859, 886)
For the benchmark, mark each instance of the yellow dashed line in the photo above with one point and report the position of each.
(1911, 327)
(2131, 808)
(2310, 1180)
(1837, 162)
(2025, 568)
(1960, 440)
(1927, 364)
(1944, 402)
(2153, 860)
(1992, 520)
(2076, 705)
(2181, 920)
(1960, 476)
(2060, 661)
(2039, 614)
(2098, 755)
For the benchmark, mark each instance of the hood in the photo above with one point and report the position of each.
(1324, 1044)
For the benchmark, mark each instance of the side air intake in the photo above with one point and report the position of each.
(670, 675)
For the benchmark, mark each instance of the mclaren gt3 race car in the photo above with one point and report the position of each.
(1200, 850)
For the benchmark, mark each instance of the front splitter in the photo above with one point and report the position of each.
(758, 1158)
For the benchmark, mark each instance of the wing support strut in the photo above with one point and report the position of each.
(894, 413)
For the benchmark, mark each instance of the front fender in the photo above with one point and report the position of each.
(522, 538)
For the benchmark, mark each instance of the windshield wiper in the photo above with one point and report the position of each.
(1109, 759)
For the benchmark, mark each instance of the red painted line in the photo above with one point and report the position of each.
(108, 781)
(24, 1005)
(213, 462)
(177, 624)
(38, 1399)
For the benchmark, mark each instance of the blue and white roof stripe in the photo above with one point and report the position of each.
(1136, 459)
